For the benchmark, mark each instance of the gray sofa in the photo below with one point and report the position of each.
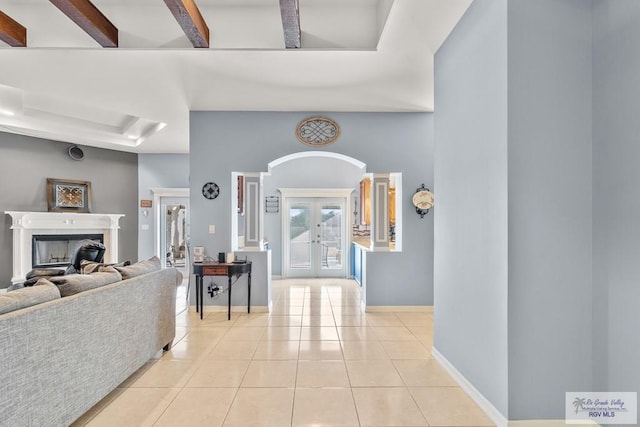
(61, 357)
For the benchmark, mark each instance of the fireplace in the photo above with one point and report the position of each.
(55, 250)
(50, 227)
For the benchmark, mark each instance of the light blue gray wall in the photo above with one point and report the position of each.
(471, 199)
(157, 171)
(223, 142)
(616, 156)
(572, 171)
(27, 162)
(550, 223)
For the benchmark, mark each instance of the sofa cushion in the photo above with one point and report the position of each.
(43, 291)
(74, 283)
(88, 267)
(139, 268)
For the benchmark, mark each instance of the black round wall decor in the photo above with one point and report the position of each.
(210, 190)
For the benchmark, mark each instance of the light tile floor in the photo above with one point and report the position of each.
(316, 360)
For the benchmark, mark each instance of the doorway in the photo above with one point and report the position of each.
(315, 237)
(174, 233)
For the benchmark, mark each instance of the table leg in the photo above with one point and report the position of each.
(229, 306)
(249, 293)
(198, 279)
(201, 297)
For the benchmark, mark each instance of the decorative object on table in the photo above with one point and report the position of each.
(272, 204)
(65, 195)
(210, 190)
(198, 254)
(222, 257)
(317, 131)
(422, 200)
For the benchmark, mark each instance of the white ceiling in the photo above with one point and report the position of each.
(357, 55)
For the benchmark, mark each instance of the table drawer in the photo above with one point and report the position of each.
(214, 271)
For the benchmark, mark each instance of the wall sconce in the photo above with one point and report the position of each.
(422, 200)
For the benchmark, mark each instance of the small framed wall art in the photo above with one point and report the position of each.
(65, 195)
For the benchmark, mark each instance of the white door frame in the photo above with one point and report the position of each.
(158, 194)
(344, 193)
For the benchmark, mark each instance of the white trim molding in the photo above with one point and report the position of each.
(399, 308)
(490, 410)
(551, 423)
(305, 154)
(316, 192)
(481, 401)
(158, 194)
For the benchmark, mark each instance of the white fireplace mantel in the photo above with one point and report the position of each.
(26, 224)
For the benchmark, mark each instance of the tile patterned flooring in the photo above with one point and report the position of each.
(316, 360)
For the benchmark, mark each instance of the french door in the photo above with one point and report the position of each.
(315, 237)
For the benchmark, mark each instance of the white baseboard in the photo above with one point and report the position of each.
(276, 277)
(551, 423)
(234, 309)
(481, 401)
(491, 410)
(400, 308)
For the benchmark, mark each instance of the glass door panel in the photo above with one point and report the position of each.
(300, 236)
(330, 239)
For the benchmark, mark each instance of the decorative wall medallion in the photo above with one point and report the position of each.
(317, 131)
(210, 190)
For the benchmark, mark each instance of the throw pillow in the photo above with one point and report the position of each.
(44, 272)
(75, 283)
(88, 267)
(43, 291)
(140, 268)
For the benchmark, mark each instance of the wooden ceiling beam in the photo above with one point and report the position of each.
(190, 19)
(90, 19)
(11, 32)
(290, 12)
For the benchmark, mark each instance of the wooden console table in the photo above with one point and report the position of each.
(201, 269)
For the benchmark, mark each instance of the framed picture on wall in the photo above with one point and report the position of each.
(65, 195)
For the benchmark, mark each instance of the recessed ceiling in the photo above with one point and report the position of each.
(356, 55)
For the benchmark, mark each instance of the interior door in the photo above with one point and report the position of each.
(174, 232)
(315, 237)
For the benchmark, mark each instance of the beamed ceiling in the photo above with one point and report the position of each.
(125, 74)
